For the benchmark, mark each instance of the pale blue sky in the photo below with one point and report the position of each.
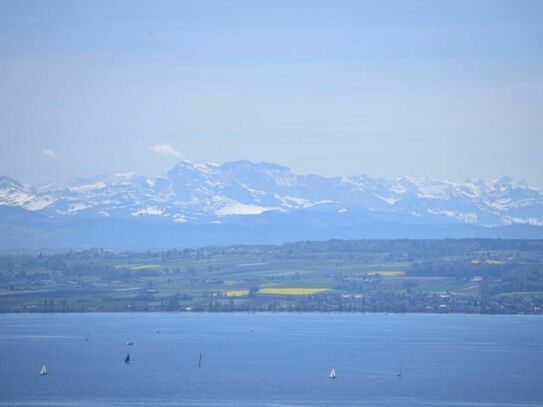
(433, 88)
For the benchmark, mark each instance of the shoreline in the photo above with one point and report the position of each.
(270, 313)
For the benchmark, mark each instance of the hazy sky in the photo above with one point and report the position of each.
(433, 88)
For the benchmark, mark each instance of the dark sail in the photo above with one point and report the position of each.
(200, 361)
(127, 358)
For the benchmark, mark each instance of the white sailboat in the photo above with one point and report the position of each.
(43, 370)
(332, 374)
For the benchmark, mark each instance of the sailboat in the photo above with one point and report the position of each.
(400, 372)
(200, 360)
(332, 374)
(43, 370)
(127, 358)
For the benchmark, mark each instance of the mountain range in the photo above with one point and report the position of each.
(245, 202)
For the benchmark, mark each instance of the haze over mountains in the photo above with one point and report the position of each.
(245, 202)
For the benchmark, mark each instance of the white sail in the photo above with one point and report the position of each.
(43, 370)
(333, 373)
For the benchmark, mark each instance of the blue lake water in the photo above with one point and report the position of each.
(271, 360)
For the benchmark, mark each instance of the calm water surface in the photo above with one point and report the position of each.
(271, 360)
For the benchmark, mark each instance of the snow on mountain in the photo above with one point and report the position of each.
(192, 193)
(14, 193)
(241, 209)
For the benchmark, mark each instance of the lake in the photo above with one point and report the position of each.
(271, 360)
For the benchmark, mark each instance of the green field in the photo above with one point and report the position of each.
(291, 291)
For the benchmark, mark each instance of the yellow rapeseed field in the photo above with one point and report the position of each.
(292, 291)
(237, 293)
